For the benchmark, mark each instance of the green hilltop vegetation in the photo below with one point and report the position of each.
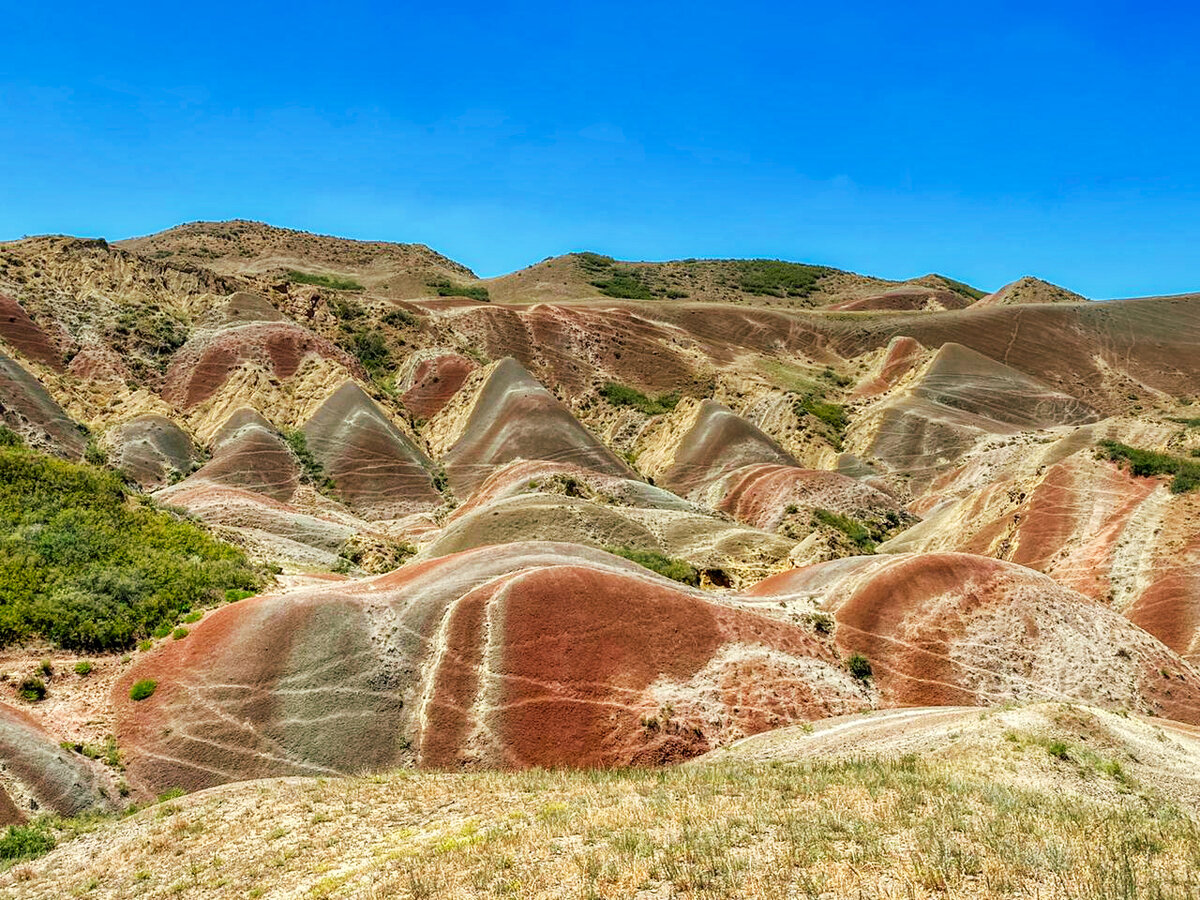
(90, 566)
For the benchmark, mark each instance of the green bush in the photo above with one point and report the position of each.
(776, 278)
(333, 282)
(32, 689)
(858, 666)
(9, 438)
(370, 348)
(624, 284)
(831, 414)
(1058, 750)
(852, 528)
(85, 567)
(313, 470)
(179, 633)
(677, 569)
(26, 842)
(143, 689)
(83, 668)
(447, 288)
(623, 395)
(399, 317)
(1148, 463)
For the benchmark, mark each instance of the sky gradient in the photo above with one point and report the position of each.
(985, 141)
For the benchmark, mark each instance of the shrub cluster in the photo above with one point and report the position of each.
(89, 567)
(623, 395)
(332, 282)
(677, 569)
(447, 288)
(1148, 463)
(775, 278)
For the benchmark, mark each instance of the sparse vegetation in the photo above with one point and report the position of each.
(143, 689)
(447, 288)
(831, 414)
(623, 395)
(624, 284)
(88, 566)
(333, 282)
(771, 830)
(676, 569)
(1149, 463)
(964, 290)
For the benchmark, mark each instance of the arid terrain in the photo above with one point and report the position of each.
(701, 578)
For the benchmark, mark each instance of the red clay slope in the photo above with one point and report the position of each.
(719, 442)
(514, 417)
(249, 454)
(379, 472)
(944, 629)
(23, 334)
(27, 408)
(36, 767)
(519, 655)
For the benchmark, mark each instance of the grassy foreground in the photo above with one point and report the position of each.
(901, 828)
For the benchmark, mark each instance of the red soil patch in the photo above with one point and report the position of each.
(945, 629)
(760, 495)
(378, 470)
(203, 364)
(22, 333)
(53, 778)
(719, 443)
(526, 654)
(514, 417)
(435, 381)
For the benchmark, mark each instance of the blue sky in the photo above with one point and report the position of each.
(982, 140)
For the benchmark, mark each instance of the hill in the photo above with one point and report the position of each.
(700, 516)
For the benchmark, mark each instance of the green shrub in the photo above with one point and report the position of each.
(964, 290)
(313, 470)
(858, 666)
(143, 689)
(852, 528)
(1148, 463)
(193, 617)
(677, 569)
(233, 595)
(776, 278)
(9, 438)
(399, 317)
(831, 414)
(179, 633)
(32, 689)
(83, 668)
(370, 348)
(85, 567)
(1058, 750)
(94, 454)
(624, 284)
(46, 668)
(447, 288)
(333, 282)
(623, 395)
(26, 842)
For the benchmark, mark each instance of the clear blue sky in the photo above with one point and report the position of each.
(982, 140)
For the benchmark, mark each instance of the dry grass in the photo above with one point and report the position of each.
(898, 828)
